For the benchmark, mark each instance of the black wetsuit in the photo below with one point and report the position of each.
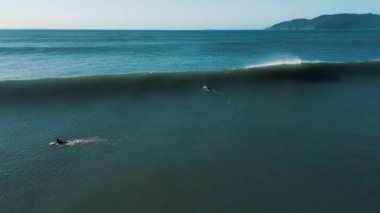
(60, 142)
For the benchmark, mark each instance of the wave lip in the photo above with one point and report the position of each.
(295, 61)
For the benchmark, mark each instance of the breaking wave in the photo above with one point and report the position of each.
(295, 61)
(140, 83)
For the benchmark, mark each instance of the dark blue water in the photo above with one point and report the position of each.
(46, 54)
(231, 134)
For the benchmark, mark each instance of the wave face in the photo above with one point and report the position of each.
(137, 84)
(57, 54)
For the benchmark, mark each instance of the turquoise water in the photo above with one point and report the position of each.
(50, 54)
(301, 137)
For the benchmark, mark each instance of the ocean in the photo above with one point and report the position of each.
(189, 121)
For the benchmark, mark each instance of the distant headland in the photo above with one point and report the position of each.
(332, 22)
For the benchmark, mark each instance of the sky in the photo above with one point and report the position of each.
(168, 14)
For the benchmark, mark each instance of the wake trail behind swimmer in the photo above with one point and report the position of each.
(73, 142)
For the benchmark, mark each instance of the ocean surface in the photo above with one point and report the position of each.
(55, 54)
(190, 121)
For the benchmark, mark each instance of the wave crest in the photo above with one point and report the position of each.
(295, 61)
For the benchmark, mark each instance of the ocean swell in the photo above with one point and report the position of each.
(136, 84)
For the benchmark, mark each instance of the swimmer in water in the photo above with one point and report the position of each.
(207, 89)
(60, 142)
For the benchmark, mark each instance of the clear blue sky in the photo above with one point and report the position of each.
(169, 14)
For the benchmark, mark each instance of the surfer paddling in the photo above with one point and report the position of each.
(60, 142)
(207, 89)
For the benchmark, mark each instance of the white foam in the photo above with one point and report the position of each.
(295, 61)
